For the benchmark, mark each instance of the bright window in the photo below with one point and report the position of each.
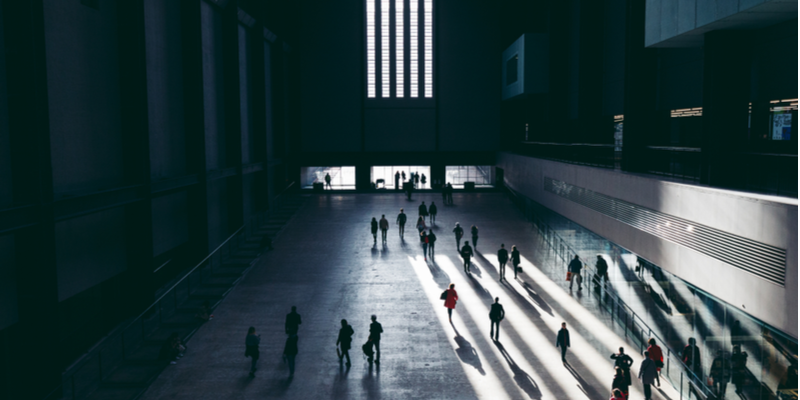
(387, 175)
(342, 178)
(481, 175)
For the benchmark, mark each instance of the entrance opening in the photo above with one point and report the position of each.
(383, 177)
(342, 178)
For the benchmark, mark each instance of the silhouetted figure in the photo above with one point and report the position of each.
(450, 297)
(204, 313)
(420, 227)
(450, 193)
(739, 368)
(409, 189)
(515, 261)
(444, 194)
(425, 243)
(431, 243)
(384, 225)
(602, 271)
(467, 254)
(474, 231)
(290, 352)
(502, 259)
(401, 222)
(423, 211)
(432, 210)
(691, 357)
(575, 267)
(251, 342)
(459, 232)
(293, 322)
(416, 179)
(720, 373)
(624, 362)
(424, 180)
(619, 382)
(375, 330)
(404, 175)
(562, 340)
(647, 374)
(496, 315)
(344, 341)
(657, 356)
(367, 349)
(396, 181)
(328, 181)
(373, 225)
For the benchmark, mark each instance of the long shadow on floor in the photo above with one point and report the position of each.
(590, 391)
(466, 352)
(523, 380)
(371, 382)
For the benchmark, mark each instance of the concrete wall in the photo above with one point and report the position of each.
(6, 194)
(767, 219)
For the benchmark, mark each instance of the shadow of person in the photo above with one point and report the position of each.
(585, 387)
(374, 251)
(278, 386)
(467, 353)
(522, 301)
(523, 380)
(385, 252)
(371, 383)
(473, 268)
(481, 291)
(537, 299)
(339, 387)
(664, 395)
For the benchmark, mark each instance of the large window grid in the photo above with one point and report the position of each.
(428, 48)
(457, 175)
(371, 48)
(399, 48)
(385, 52)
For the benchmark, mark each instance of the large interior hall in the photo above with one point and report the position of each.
(398, 199)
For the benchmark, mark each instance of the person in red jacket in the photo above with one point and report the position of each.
(450, 301)
(657, 356)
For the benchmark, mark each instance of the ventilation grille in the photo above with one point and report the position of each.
(762, 260)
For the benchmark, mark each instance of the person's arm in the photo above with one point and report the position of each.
(502, 312)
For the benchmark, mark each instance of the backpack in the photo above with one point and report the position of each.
(443, 296)
(367, 349)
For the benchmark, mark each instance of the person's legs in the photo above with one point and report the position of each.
(253, 361)
(515, 270)
(425, 250)
(502, 270)
(475, 242)
(497, 331)
(347, 356)
(647, 392)
(377, 344)
(564, 353)
(450, 313)
(578, 281)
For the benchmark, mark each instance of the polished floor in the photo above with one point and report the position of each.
(325, 264)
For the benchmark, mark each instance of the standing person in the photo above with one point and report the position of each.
(624, 362)
(293, 322)
(384, 224)
(375, 330)
(496, 315)
(328, 181)
(432, 212)
(647, 373)
(474, 237)
(691, 357)
(502, 258)
(423, 211)
(657, 356)
(410, 189)
(420, 227)
(466, 254)
(739, 368)
(423, 180)
(720, 373)
(401, 222)
(444, 194)
(251, 342)
(416, 179)
(575, 267)
(459, 231)
(431, 242)
(344, 341)
(424, 245)
(562, 340)
(450, 298)
(515, 259)
(404, 175)
(374, 228)
(290, 352)
(450, 193)
(397, 181)
(602, 271)
(619, 382)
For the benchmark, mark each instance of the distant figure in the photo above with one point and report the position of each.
(691, 357)
(344, 341)
(416, 179)
(475, 237)
(738, 368)
(423, 211)
(444, 194)
(328, 181)
(432, 212)
(204, 313)
(384, 225)
(374, 227)
(562, 340)
(420, 227)
(431, 242)
(657, 356)
(424, 180)
(450, 298)
(502, 259)
(515, 259)
(410, 189)
(624, 362)
(425, 242)
(496, 315)
(401, 222)
(720, 373)
(602, 271)
(618, 395)
(293, 322)
(172, 349)
(466, 254)
(648, 373)
(459, 232)
(375, 330)
(575, 268)
(450, 193)
(251, 342)
(620, 382)
(396, 181)
(404, 175)
(290, 352)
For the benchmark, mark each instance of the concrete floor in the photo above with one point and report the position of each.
(326, 265)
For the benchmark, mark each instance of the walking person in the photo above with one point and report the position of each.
(403, 175)
(384, 224)
(423, 210)
(293, 322)
(459, 232)
(432, 212)
(450, 297)
(467, 254)
(496, 315)
(431, 242)
(562, 340)
(739, 368)
(420, 227)
(619, 382)
(423, 180)
(397, 181)
(474, 237)
(416, 179)
(344, 341)
(515, 260)
(375, 330)
(647, 374)
(450, 193)
(401, 222)
(691, 357)
(328, 181)
(251, 342)
(624, 362)
(502, 259)
(424, 245)
(720, 374)
(575, 267)
(657, 356)
(290, 352)
(374, 228)
(602, 271)
(409, 189)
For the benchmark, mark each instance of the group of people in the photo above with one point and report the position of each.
(447, 194)
(415, 178)
(426, 236)
(290, 350)
(372, 348)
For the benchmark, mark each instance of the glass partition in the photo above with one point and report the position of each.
(341, 178)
